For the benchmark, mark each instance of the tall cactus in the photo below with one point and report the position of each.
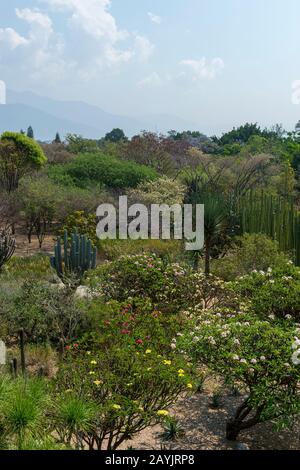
(74, 256)
(274, 216)
(7, 247)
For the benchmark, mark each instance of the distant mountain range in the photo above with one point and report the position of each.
(48, 116)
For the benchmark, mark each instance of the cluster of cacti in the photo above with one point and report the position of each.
(73, 256)
(7, 247)
(274, 216)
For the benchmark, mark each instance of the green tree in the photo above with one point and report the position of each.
(77, 144)
(116, 135)
(57, 139)
(30, 132)
(19, 155)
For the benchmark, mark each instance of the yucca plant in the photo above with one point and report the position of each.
(23, 410)
(216, 216)
(73, 417)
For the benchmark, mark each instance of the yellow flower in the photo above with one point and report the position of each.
(167, 363)
(130, 384)
(92, 372)
(98, 382)
(116, 407)
(180, 375)
(148, 351)
(149, 368)
(181, 371)
(94, 363)
(88, 353)
(189, 385)
(69, 391)
(162, 413)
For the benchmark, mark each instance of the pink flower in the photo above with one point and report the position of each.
(125, 332)
(139, 341)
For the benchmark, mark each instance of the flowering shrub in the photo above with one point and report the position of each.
(133, 324)
(253, 354)
(119, 389)
(273, 293)
(145, 276)
(84, 224)
(169, 286)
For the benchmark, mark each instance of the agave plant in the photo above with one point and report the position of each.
(7, 247)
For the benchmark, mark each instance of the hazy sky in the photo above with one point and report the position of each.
(217, 63)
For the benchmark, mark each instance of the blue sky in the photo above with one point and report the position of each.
(216, 63)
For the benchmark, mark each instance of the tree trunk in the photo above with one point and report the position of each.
(207, 259)
(238, 423)
(232, 430)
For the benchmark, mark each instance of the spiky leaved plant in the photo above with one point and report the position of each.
(7, 247)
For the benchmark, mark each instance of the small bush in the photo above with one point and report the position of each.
(273, 293)
(255, 251)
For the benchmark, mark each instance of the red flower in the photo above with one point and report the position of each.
(67, 348)
(76, 345)
(139, 341)
(125, 332)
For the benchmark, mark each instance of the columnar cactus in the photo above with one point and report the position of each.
(7, 247)
(74, 256)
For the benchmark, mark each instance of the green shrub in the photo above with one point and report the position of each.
(92, 169)
(275, 292)
(146, 276)
(82, 223)
(255, 251)
(46, 313)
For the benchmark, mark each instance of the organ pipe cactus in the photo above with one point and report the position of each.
(73, 256)
(7, 247)
(274, 216)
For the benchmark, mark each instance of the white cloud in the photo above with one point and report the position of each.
(95, 20)
(44, 52)
(155, 18)
(91, 16)
(11, 39)
(153, 80)
(143, 48)
(37, 54)
(203, 69)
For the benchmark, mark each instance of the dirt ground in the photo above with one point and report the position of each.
(23, 248)
(204, 429)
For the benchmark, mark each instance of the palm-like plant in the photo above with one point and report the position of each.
(216, 216)
(22, 407)
(73, 417)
